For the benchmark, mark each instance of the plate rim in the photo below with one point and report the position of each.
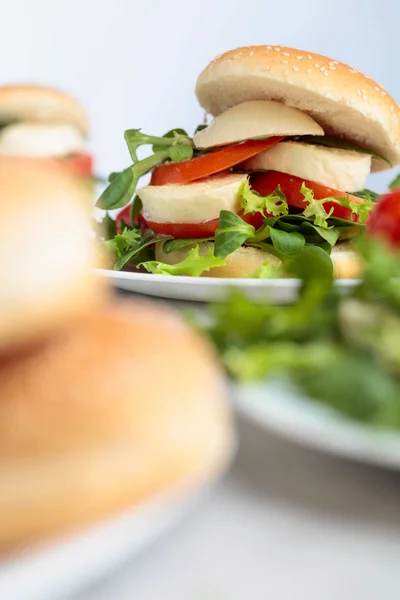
(283, 282)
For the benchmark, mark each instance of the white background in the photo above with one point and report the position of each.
(134, 63)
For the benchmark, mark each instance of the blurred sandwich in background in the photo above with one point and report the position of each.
(42, 122)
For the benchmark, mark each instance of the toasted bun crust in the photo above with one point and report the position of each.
(46, 251)
(41, 104)
(123, 406)
(245, 260)
(346, 103)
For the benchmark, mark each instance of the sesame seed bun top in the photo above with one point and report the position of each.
(346, 103)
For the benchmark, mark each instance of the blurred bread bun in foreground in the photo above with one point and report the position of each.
(39, 104)
(126, 405)
(47, 252)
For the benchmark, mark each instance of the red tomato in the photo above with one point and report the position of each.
(384, 219)
(198, 230)
(80, 164)
(210, 163)
(266, 183)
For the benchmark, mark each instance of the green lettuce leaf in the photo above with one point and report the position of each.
(194, 264)
(367, 194)
(123, 185)
(135, 138)
(311, 263)
(332, 142)
(287, 242)
(135, 253)
(395, 184)
(177, 244)
(359, 209)
(232, 232)
(267, 270)
(274, 204)
(176, 145)
(315, 209)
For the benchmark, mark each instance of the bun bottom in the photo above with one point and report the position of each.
(245, 260)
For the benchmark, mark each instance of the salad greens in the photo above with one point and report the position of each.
(252, 202)
(194, 264)
(332, 142)
(282, 235)
(341, 350)
(287, 232)
(175, 145)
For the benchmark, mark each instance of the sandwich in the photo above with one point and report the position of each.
(280, 170)
(45, 123)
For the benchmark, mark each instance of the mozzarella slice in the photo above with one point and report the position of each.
(256, 119)
(342, 170)
(39, 139)
(193, 202)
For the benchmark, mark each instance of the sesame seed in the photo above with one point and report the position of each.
(296, 68)
(266, 68)
(300, 56)
(328, 95)
(309, 70)
(359, 92)
(363, 91)
(326, 73)
(285, 62)
(365, 98)
(391, 108)
(383, 93)
(286, 72)
(377, 89)
(309, 56)
(251, 53)
(316, 65)
(285, 53)
(352, 71)
(269, 47)
(331, 63)
(335, 62)
(322, 69)
(238, 54)
(277, 49)
(332, 68)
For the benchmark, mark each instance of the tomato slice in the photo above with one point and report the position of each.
(266, 183)
(384, 219)
(210, 163)
(80, 164)
(199, 230)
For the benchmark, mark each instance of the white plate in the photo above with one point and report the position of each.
(61, 569)
(210, 289)
(280, 408)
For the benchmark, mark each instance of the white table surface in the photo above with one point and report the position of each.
(286, 523)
